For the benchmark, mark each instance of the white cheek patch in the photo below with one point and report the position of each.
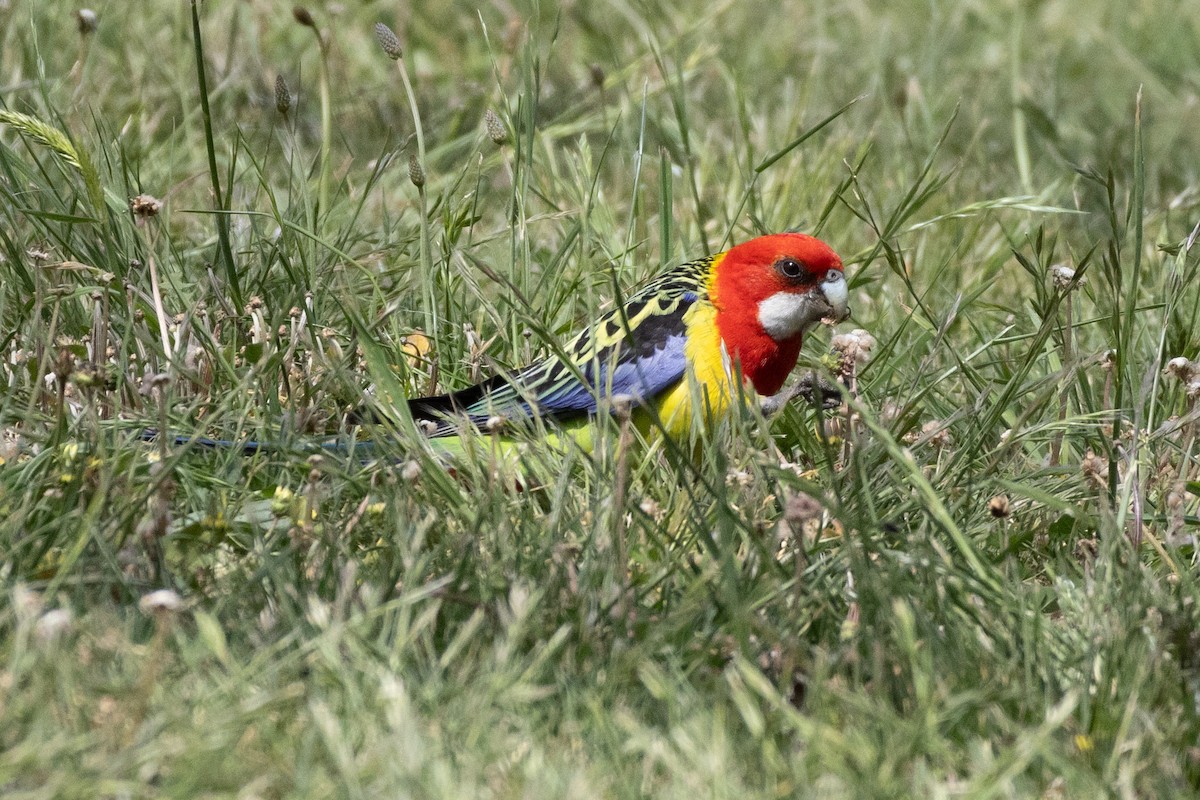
(784, 314)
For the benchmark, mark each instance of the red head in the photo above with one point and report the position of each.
(767, 292)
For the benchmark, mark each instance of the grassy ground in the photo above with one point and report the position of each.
(993, 595)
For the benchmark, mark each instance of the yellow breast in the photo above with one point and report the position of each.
(703, 397)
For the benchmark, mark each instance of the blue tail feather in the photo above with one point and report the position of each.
(252, 447)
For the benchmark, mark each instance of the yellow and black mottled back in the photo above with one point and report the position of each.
(635, 349)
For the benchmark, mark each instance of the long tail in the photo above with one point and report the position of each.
(250, 448)
(442, 413)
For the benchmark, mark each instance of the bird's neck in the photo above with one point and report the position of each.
(763, 362)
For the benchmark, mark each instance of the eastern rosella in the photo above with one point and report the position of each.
(682, 338)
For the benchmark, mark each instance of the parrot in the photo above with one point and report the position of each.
(686, 337)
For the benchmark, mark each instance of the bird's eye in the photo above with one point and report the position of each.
(790, 268)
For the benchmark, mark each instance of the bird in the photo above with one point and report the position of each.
(671, 355)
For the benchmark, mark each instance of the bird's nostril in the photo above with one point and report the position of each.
(833, 276)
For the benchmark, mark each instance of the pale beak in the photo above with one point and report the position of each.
(837, 295)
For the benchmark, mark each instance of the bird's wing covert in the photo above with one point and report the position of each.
(636, 350)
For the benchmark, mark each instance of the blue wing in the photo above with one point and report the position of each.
(637, 351)
(639, 376)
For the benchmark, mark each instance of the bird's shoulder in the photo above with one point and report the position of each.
(646, 318)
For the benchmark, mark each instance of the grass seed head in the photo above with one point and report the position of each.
(145, 207)
(801, 508)
(651, 508)
(283, 96)
(999, 506)
(87, 21)
(596, 73)
(622, 406)
(853, 349)
(161, 603)
(1175, 497)
(389, 41)
(1182, 368)
(1094, 468)
(495, 127)
(51, 626)
(1186, 372)
(1063, 276)
(935, 432)
(416, 172)
(304, 17)
(64, 365)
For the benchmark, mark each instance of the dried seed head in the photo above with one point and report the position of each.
(1179, 367)
(161, 603)
(389, 41)
(144, 206)
(87, 20)
(1094, 468)
(1175, 497)
(937, 434)
(622, 406)
(495, 423)
(1182, 369)
(158, 380)
(853, 347)
(1062, 275)
(304, 17)
(416, 172)
(495, 127)
(52, 625)
(88, 375)
(596, 73)
(651, 508)
(999, 506)
(64, 365)
(801, 508)
(410, 471)
(283, 96)
(738, 477)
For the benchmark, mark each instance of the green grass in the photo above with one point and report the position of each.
(361, 629)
